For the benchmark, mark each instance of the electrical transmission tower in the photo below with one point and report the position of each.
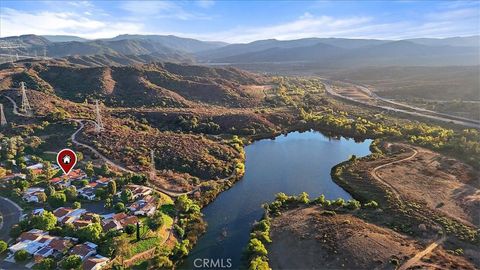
(25, 104)
(44, 53)
(153, 171)
(98, 122)
(3, 120)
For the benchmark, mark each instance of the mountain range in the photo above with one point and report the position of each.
(315, 52)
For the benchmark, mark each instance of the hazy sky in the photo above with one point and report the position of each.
(242, 21)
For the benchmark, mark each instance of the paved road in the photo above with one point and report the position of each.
(416, 111)
(11, 213)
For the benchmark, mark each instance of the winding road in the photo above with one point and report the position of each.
(110, 162)
(415, 259)
(414, 111)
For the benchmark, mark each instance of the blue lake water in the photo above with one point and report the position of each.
(290, 163)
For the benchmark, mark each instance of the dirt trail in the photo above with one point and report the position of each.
(415, 259)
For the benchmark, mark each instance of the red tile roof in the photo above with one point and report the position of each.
(62, 211)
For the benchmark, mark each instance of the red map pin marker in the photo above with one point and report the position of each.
(66, 159)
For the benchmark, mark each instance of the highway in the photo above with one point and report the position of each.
(415, 111)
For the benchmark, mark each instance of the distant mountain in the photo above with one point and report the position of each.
(342, 53)
(183, 44)
(317, 52)
(64, 38)
(473, 41)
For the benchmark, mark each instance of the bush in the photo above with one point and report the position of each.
(45, 264)
(21, 256)
(256, 248)
(353, 204)
(120, 207)
(3, 246)
(179, 230)
(71, 262)
(77, 205)
(371, 204)
(328, 213)
(130, 229)
(57, 200)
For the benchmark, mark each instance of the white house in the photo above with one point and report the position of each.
(30, 195)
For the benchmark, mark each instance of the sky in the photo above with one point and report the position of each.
(242, 21)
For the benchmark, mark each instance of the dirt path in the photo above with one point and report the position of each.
(73, 137)
(415, 259)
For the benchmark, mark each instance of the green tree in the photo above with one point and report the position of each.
(112, 188)
(57, 200)
(259, 263)
(48, 170)
(3, 246)
(90, 233)
(46, 221)
(71, 262)
(49, 191)
(256, 247)
(71, 193)
(126, 195)
(42, 197)
(77, 205)
(130, 229)
(89, 170)
(120, 207)
(105, 170)
(303, 198)
(45, 264)
(21, 255)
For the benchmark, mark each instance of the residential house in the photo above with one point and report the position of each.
(41, 245)
(139, 191)
(35, 166)
(144, 207)
(56, 247)
(95, 262)
(66, 180)
(88, 191)
(31, 194)
(66, 215)
(118, 221)
(84, 250)
(103, 182)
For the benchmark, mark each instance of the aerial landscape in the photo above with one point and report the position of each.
(239, 135)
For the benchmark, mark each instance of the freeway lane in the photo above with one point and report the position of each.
(415, 111)
(11, 213)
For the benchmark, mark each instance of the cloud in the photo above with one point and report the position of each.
(14, 22)
(205, 3)
(306, 25)
(159, 9)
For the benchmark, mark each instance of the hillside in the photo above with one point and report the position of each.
(150, 85)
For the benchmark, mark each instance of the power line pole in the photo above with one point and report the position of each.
(3, 120)
(153, 171)
(98, 122)
(25, 104)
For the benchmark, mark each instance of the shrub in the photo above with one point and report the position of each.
(57, 200)
(256, 248)
(3, 246)
(21, 256)
(120, 207)
(77, 205)
(328, 213)
(130, 229)
(353, 204)
(371, 204)
(45, 264)
(71, 262)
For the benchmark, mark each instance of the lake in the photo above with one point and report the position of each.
(290, 163)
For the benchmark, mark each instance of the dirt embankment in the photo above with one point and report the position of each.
(442, 184)
(307, 238)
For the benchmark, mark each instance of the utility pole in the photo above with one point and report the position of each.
(98, 122)
(153, 171)
(3, 120)
(25, 104)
